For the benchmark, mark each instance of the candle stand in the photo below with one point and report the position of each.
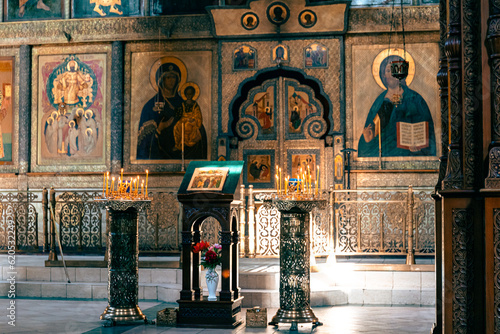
(295, 291)
(123, 259)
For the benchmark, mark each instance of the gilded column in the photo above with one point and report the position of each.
(454, 176)
(493, 46)
(116, 105)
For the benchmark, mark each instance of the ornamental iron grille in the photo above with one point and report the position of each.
(268, 230)
(320, 235)
(424, 221)
(18, 220)
(159, 224)
(370, 222)
(375, 222)
(80, 222)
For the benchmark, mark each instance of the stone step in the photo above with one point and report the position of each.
(400, 280)
(253, 297)
(331, 284)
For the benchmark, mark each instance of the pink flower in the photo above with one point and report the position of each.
(217, 246)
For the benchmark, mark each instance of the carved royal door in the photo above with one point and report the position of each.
(281, 125)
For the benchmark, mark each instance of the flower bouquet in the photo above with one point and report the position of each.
(211, 257)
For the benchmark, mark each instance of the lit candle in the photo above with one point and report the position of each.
(107, 179)
(280, 180)
(319, 185)
(121, 175)
(137, 186)
(310, 181)
(142, 188)
(104, 185)
(112, 185)
(317, 179)
(286, 185)
(277, 182)
(147, 173)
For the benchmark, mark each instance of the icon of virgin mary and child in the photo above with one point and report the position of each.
(171, 121)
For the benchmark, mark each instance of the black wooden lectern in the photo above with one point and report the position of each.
(200, 200)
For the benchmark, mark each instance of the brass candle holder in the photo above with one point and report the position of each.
(117, 188)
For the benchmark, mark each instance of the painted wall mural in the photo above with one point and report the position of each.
(6, 104)
(262, 108)
(395, 119)
(299, 108)
(316, 56)
(303, 163)
(71, 108)
(23, 10)
(244, 58)
(172, 115)
(259, 168)
(106, 8)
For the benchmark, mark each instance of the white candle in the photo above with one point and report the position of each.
(107, 180)
(147, 173)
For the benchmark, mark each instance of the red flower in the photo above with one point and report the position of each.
(210, 256)
(200, 246)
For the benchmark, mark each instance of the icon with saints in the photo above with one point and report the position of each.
(72, 120)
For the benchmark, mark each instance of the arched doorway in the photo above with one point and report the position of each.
(282, 119)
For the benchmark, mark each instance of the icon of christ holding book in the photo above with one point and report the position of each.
(399, 123)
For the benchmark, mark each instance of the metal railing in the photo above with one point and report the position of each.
(80, 222)
(355, 222)
(19, 220)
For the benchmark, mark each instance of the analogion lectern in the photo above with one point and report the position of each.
(207, 190)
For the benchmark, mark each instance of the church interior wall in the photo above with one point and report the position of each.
(191, 34)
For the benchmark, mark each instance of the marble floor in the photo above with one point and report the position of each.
(54, 316)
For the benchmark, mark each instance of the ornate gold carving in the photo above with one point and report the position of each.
(257, 317)
(423, 18)
(109, 29)
(167, 317)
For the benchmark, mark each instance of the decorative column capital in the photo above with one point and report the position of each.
(226, 237)
(187, 237)
(493, 179)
